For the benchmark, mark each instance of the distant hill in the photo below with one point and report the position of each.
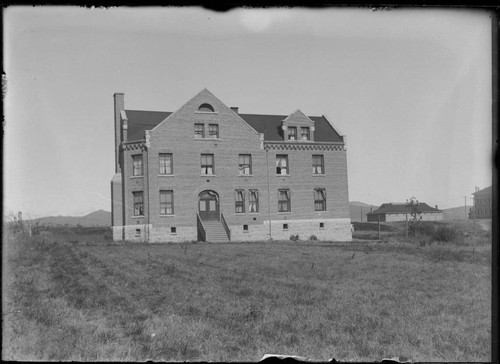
(96, 218)
(455, 213)
(358, 210)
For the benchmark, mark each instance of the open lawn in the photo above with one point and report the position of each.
(234, 302)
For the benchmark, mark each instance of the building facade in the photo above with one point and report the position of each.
(389, 212)
(208, 173)
(483, 203)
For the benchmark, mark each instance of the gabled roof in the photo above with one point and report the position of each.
(139, 121)
(484, 191)
(270, 125)
(400, 208)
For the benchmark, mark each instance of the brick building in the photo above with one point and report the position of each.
(400, 212)
(208, 173)
(483, 203)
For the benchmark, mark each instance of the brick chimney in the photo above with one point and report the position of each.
(437, 207)
(119, 98)
(235, 109)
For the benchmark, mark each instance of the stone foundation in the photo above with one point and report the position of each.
(330, 230)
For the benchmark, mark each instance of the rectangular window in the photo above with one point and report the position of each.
(245, 164)
(285, 226)
(213, 130)
(173, 230)
(240, 201)
(318, 164)
(245, 228)
(166, 202)
(282, 164)
(166, 163)
(199, 131)
(284, 201)
(207, 164)
(304, 133)
(319, 199)
(137, 165)
(138, 203)
(292, 133)
(253, 201)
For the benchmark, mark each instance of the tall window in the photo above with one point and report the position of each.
(213, 130)
(284, 201)
(137, 165)
(253, 201)
(304, 133)
(318, 164)
(281, 164)
(199, 131)
(207, 164)
(138, 203)
(292, 133)
(166, 163)
(319, 199)
(166, 202)
(240, 201)
(245, 164)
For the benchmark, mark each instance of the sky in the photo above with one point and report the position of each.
(410, 89)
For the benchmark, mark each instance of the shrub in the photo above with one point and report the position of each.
(294, 237)
(313, 237)
(445, 234)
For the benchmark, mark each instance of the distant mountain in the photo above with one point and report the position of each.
(96, 218)
(456, 213)
(358, 210)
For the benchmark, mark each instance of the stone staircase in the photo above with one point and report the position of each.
(215, 232)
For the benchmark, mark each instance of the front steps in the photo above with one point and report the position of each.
(215, 232)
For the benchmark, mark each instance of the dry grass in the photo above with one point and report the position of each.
(221, 302)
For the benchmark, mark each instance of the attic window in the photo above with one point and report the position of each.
(206, 108)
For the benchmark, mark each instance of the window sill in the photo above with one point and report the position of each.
(142, 176)
(168, 215)
(207, 175)
(137, 217)
(282, 175)
(245, 231)
(319, 175)
(284, 212)
(254, 213)
(209, 139)
(166, 175)
(245, 175)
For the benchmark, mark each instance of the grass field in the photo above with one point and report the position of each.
(65, 299)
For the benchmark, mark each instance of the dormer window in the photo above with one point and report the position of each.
(292, 133)
(206, 108)
(305, 133)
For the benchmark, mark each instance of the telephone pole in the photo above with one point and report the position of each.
(465, 207)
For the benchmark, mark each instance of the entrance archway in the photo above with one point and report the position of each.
(208, 206)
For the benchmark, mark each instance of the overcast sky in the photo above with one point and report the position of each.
(410, 88)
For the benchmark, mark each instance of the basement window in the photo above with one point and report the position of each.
(321, 225)
(173, 230)
(137, 232)
(285, 226)
(245, 228)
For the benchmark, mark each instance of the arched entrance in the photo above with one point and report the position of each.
(208, 206)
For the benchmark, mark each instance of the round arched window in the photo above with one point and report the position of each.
(206, 108)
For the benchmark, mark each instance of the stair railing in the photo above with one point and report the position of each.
(228, 232)
(202, 235)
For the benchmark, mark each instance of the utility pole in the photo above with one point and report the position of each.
(465, 207)
(474, 213)
(361, 212)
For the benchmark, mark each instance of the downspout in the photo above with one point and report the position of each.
(268, 195)
(146, 176)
